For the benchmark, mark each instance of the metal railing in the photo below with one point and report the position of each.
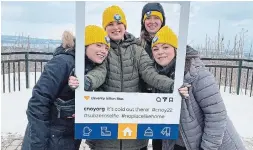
(236, 75)
(23, 62)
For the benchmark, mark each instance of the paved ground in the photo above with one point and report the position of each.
(13, 142)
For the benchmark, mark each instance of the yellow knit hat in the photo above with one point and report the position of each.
(165, 36)
(95, 34)
(153, 13)
(113, 13)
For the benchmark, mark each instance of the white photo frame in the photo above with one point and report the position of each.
(160, 101)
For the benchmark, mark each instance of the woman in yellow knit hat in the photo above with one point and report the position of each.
(204, 123)
(114, 22)
(52, 105)
(126, 64)
(97, 44)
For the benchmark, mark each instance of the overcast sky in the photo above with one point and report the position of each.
(50, 19)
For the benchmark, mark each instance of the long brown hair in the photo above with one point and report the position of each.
(144, 37)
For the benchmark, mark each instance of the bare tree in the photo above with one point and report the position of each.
(218, 40)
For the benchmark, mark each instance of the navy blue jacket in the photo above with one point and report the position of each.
(52, 84)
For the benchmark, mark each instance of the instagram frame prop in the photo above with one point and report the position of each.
(120, 115)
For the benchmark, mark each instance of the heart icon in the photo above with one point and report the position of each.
(86, 97)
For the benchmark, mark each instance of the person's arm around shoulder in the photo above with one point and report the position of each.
(46, 90)
(150, 75)
(207, 94)
(96, 77)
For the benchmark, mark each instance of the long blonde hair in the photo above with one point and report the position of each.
(68, 40)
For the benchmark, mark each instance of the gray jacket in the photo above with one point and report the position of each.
(204, 122)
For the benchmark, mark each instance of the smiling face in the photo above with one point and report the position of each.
(152, 24)
(97, 52)
(163, 54)
(115, 30)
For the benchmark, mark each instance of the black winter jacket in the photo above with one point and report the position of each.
(52, 84)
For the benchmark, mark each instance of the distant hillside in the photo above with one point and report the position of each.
(10, 39)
